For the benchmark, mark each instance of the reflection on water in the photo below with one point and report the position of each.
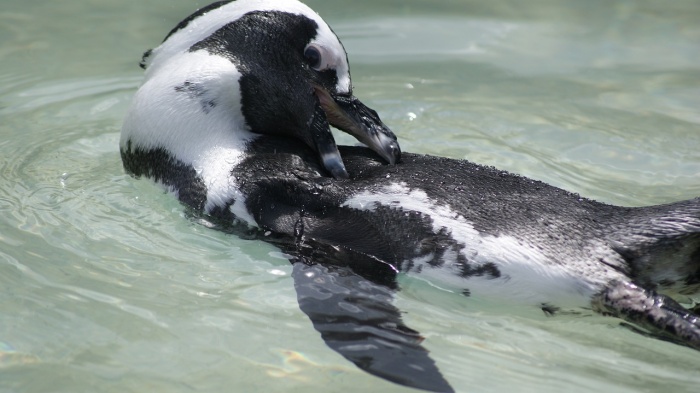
(106, 285)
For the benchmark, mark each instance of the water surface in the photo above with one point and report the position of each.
(106, 285)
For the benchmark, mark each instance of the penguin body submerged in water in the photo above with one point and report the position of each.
(233, 118)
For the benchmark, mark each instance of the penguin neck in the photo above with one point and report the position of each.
(204, 127)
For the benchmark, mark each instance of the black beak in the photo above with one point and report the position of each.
(348, 114)
(321, 138)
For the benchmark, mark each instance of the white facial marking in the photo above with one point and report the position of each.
(523, 267)
(205, 25)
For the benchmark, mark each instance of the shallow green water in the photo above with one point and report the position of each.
(105, 285)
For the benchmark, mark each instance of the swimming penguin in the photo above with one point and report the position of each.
(245, 69)
(233, 118)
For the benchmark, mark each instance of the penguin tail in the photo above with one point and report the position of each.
(661, 248)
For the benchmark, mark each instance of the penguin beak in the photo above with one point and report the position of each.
(348, 114)
(321, 138)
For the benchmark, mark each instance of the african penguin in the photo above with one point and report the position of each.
(236, 70)
(233, 118)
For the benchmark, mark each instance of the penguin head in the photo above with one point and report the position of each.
(294, 76)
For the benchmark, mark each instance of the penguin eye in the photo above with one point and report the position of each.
(312, 54)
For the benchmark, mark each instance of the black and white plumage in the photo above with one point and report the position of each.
(233, 118)
(238, 70)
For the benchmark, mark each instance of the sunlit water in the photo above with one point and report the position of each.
(106, 286)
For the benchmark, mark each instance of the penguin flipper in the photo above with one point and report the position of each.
(357, 319)
(658, 314)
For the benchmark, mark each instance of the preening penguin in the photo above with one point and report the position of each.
(233, 118)
(233, 71)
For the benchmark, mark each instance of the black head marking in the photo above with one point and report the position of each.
(268, 48)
